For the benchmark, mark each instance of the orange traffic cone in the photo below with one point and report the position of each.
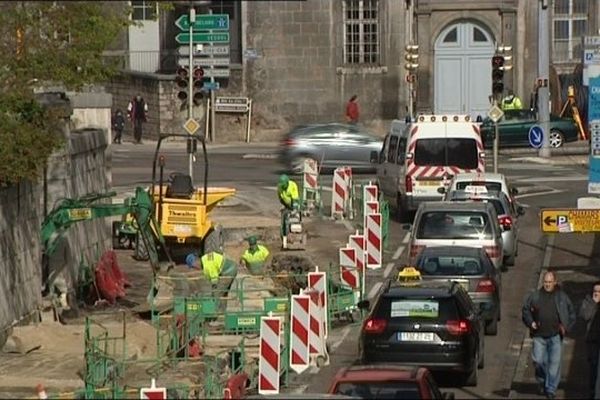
(41, 391)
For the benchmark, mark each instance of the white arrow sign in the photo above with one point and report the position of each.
(216, 73)
(204, 62)
(216, 50)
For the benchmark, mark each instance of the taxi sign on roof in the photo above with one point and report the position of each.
(476, 189)
(569, 220)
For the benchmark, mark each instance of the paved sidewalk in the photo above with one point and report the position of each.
(576, 259)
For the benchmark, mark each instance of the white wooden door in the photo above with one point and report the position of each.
(462, 70)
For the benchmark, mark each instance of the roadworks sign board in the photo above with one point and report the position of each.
(570, 220)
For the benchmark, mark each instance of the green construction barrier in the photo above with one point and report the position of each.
(277, 305)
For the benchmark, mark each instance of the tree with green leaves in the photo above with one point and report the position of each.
(43, 44)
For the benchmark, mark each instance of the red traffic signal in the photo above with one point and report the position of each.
(198, 73)
(497, 61)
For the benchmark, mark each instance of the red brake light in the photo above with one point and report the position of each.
(289, 142)
(486, 286)
(492, 251)
(408, 183)
(506, 221)
(375, 325)
(461, 327)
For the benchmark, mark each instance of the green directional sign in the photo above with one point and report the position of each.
(218, 22)
(218, 37)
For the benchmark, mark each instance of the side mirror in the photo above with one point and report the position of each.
(514, 191)
(374, 157)
(448, 395)
(363, 304)
(406, 227)
(441, 190)
(520, 210)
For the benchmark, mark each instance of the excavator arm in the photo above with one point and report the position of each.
(71, 211)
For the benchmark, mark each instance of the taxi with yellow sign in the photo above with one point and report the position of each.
(472, 269)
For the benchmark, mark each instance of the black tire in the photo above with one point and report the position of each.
(214, 240)
(141, 252)
(491, 327)
(401, 212)
(510, 261)
(470, 377)
(481, 363)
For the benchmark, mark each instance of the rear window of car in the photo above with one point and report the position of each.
(391, 307)
(454, 225)
(380, 390)
(491, 186)
(497, 203)
(454, 265)
(458, 152)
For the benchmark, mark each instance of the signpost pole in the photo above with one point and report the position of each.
(544, 73)
(191, 86)
(496, 141)
(212, 94)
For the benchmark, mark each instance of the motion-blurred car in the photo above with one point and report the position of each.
(331, 145)
(472, 268)
(514, 129)
(383, 381)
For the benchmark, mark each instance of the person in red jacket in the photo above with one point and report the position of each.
(352, 110)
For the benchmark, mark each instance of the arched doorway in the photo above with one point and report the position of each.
(462, 70)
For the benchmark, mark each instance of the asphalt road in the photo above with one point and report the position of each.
(541, 186)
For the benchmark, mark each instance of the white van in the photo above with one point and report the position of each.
(419, 157)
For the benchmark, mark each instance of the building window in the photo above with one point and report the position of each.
(361, 31)
(569, 25)
(142, 10)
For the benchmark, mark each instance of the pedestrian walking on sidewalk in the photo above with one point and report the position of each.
(137, 110)
(352, 112)
(118, 124)
(588, 312)
(549, 315)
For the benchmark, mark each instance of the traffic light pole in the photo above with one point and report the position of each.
(544, 73)
(191, 86)
(496, 140)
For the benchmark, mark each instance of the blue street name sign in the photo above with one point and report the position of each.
(536, 136)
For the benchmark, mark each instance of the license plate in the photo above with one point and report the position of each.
(415, 336)
(182, 229)
(463, 282)
(429, 183)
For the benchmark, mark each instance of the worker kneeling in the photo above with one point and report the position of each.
(255, 257)
(287, 192)
(218, 270)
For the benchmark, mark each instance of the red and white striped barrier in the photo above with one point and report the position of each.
(374, 241)
(300, 323)
(348, 272)
(269, 355)
(370, 195)
(358, 243)
(311, 174)
(340, 192)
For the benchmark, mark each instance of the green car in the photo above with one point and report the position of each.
(514, 129)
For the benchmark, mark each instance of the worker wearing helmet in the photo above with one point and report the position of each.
(287, 191)
(218, 270)
(255, 256)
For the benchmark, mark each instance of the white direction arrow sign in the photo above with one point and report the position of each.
(216, 73)
(205, 49)
(204, 62)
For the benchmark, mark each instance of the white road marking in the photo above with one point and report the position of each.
(553, 191)
(345, 331)
(406, 237)
(299, 389)
(388, 270)
(554, 179)
(374, 290)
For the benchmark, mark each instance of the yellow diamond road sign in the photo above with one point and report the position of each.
(191, 126)
(569, 220)
(495, 113)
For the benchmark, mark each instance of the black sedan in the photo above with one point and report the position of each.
(514, 129)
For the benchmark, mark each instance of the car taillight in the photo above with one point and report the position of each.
(289, 142)
(415, 249)
(506, 222)
(408, 183)
(486, 286)
(492, 251)
(461, 327)
(375, 325)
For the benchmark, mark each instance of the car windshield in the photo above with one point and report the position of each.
(454, 225)
(380, 390)
(458, 152)
(491, 186)
(391, 307)
(453, 265)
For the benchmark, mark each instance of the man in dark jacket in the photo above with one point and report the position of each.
(588, 312)
(549, 315)
(137, 110)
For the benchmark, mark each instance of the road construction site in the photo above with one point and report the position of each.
(171, 329)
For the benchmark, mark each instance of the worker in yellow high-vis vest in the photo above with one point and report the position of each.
(255, 257)
(218, 270)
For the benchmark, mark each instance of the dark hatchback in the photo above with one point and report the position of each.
(431, 324)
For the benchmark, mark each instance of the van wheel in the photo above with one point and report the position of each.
(491, 327)
(401, 212)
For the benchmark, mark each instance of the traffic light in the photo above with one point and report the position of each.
(497, 74)
(182, 80)
(412, 57)
(198, 85)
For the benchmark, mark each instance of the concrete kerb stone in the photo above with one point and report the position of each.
(575, 149)
(525, 351)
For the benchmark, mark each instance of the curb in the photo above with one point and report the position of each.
(259, 156)
(563, 151)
